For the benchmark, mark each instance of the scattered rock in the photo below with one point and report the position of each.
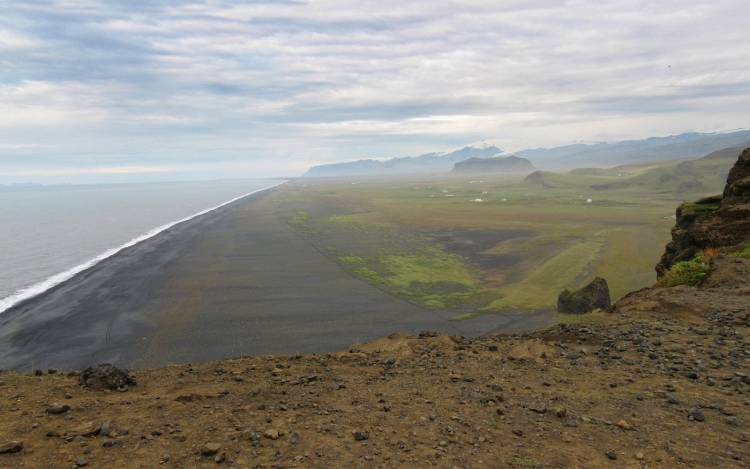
(112, 443)
(695, 415)
(210, 449)
(10, 447)
(593, 296)
(106, 376)
(272, 434)
(86, 429)
(56, 409)
(624, 425)
(360, 435)
(611, 455)
(81, 462)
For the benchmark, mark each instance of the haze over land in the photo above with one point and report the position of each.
(97, 91)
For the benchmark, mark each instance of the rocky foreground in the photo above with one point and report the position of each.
(663, 380)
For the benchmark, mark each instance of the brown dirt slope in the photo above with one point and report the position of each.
(662, 380)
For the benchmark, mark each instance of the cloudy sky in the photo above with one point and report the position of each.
(172, 89)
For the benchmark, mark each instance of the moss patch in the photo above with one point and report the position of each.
(430, 277)
(689, 208)
(690, 272)
(745, 253)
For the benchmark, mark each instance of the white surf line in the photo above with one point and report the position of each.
(41, 287)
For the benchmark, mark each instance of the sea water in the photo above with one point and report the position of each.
(50, 233)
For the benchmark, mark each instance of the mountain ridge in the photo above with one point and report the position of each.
(578, 155)
(497, 164)
(428, 163)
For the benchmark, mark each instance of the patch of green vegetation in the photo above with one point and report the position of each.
(745, 253)
(689, 208)
(540, 288)
(299, 218)
(690, 272)
(352, 261)
(430, 277)
(466, 316)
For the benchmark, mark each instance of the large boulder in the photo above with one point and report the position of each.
(721, 221)
(593, 296)
(106, 376)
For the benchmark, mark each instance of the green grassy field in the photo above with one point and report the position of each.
(479, 245)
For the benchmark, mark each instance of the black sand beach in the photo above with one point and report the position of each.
(235, 281)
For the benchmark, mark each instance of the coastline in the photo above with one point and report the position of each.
(51, 282)
(234, 281)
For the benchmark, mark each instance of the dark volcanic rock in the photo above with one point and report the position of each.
(106, 376)
(592, 296)
(507, 164)
(714, 222)
(10, 447)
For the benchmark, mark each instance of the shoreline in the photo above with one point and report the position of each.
(235, 281)
(27, 293)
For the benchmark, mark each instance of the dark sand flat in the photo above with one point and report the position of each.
(235, 281)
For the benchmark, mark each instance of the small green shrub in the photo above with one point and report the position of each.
(745, 253)
(690, 272)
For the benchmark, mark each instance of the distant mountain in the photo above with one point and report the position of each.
(430, 163)
(683, 146)
(704, 175)
(688, 179)
(498, 164)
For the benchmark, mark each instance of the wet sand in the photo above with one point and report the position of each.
(235, 281)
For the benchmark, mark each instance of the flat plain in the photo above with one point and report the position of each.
(488, 244)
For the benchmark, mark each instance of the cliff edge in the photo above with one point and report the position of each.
(721, 222)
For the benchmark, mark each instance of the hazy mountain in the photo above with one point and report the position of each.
(689, 179)
(508, 164)
(683, 146)
(430, 163)
(706, 174)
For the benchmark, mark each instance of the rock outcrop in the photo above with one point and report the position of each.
(508, 164)
(593, 296)
(721, 221)
(106, 376)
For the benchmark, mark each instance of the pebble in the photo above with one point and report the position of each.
(10, 447)
(272, 434)
(113, 443)
(611, 455)
(210, 449)
(695, 415)
(360, 435)
(86, 429)
(56, 409)
(624, 425)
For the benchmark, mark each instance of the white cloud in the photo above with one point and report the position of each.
(326, 80)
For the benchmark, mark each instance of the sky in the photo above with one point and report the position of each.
(167, 89)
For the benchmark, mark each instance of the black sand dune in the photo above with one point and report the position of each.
(235, 281)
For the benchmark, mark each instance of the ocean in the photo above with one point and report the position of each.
(49, 233)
